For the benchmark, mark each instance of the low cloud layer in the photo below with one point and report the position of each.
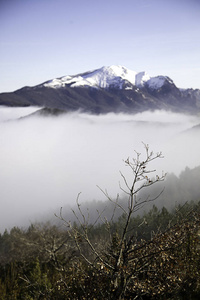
(46, 161)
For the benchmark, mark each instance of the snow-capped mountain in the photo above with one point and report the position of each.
(108, 89)
(108, 77)
(105, 77)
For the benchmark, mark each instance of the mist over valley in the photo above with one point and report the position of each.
(47, 160)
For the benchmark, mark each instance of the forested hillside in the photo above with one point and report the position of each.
(149, 255)
(43, 262)
(176, 190)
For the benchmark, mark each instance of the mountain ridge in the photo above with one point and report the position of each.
(108, 89)
(106, 77)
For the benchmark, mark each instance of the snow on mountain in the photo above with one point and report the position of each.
(157, 82)
(105, 77)
(100, 78)
(141, 78)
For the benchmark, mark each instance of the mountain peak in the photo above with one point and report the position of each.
(114, 76)
(105, 77)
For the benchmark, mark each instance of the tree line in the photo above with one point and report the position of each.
(154, 255)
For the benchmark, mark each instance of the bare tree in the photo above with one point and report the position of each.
(112, 260)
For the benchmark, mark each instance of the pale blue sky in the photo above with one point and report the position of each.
(44, 39)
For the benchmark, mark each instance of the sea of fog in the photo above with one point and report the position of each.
(46, 161)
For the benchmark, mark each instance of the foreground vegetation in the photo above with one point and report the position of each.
(149, 256)
(43, 262)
